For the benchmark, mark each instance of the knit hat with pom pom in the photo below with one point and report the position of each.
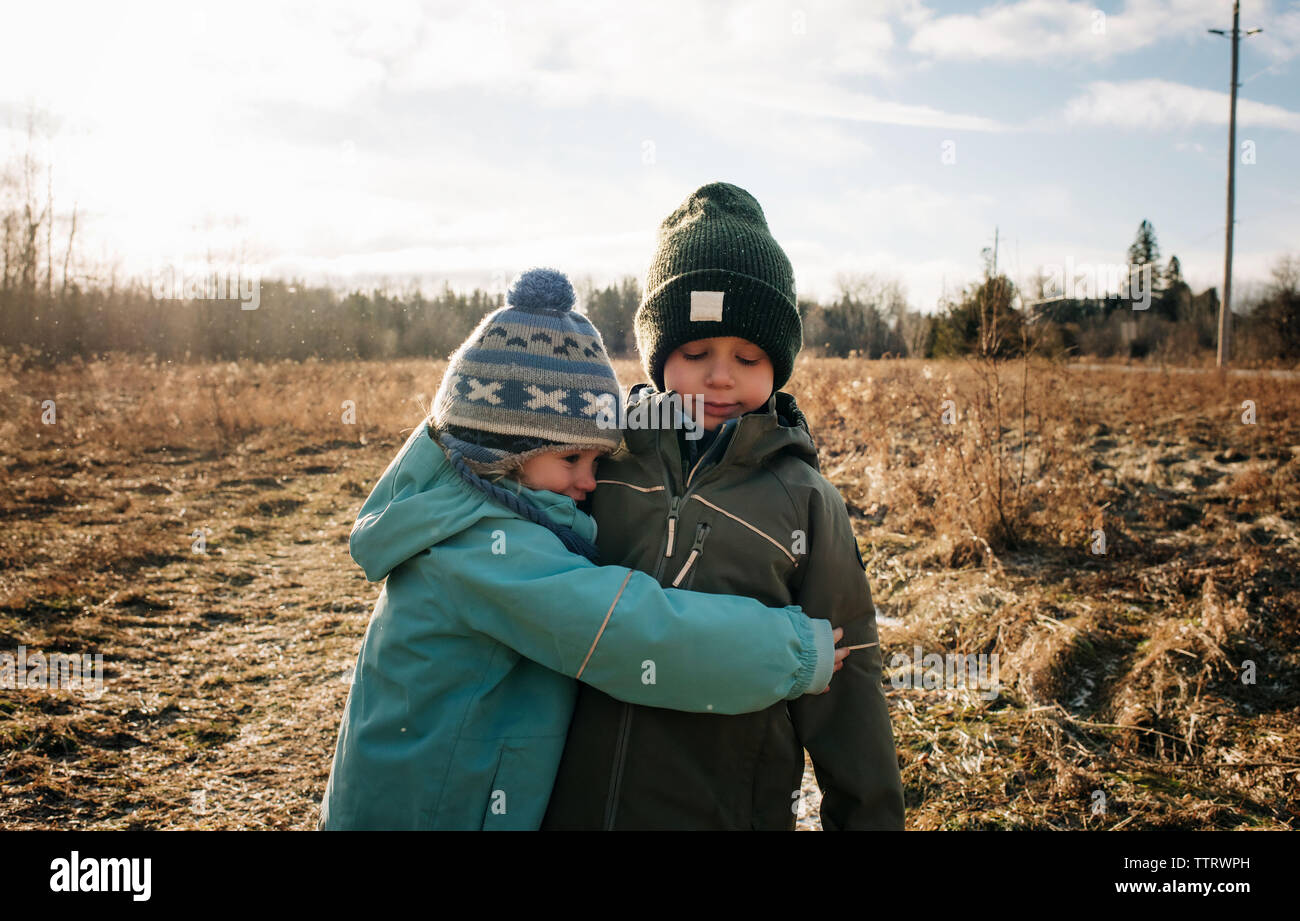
(532, 377)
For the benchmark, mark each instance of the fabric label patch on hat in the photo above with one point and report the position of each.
(706, 306)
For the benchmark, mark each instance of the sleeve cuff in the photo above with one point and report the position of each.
(823, 631)
(821, 666)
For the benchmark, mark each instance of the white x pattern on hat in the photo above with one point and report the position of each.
(478, 390)
(553, 400)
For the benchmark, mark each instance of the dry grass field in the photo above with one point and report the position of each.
(1154, 685)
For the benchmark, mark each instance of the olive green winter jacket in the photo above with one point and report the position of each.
(752, 516)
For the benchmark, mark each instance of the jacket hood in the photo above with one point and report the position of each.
(421, 501)
(777, 428)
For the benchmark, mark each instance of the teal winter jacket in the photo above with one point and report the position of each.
(464, 684)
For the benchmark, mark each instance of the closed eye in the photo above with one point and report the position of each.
(696, 356)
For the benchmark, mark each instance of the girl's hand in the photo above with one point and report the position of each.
(840, 654)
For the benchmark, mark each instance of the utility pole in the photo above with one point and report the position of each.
(1225, 306)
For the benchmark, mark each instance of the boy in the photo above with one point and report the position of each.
(741, 510)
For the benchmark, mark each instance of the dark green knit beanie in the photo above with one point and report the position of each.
(717, 271)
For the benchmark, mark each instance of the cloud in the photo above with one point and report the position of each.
(765, 74)
(1060, 30)
(165, 66)
(1280, 40)
(831, 102)
(1162, 105)
(704, 61)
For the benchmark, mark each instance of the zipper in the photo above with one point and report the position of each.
(672, 524)
(701, 532)
(674, 507)
(763, 534)
(620, 753)
(625, 722)
(730, 439)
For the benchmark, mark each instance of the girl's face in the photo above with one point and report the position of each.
(734, 375)
(571, 473)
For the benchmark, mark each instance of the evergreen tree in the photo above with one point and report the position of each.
(1143, 257)
(1173, 273)
(1173, 296)
(1144, 250)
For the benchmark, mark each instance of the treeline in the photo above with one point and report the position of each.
(869, 318)
(1154, 314)
(52, 309)
(291, 320)
(993, 317)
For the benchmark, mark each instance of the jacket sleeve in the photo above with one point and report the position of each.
(620, 631)
(847, 731)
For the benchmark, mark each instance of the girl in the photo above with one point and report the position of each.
(745, 511)
(464, 683)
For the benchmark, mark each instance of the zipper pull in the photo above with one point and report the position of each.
(701, 532)
(672, 524)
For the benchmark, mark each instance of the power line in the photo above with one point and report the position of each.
(1225, 310)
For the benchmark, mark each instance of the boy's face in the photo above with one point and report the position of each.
(733, 374)
(571, 473)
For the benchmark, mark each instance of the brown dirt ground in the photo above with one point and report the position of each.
(226, 671)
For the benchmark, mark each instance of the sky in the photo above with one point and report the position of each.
(365, 143)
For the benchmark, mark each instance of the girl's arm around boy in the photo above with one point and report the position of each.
(620, 631)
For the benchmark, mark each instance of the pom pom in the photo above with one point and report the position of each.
(541, 289)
